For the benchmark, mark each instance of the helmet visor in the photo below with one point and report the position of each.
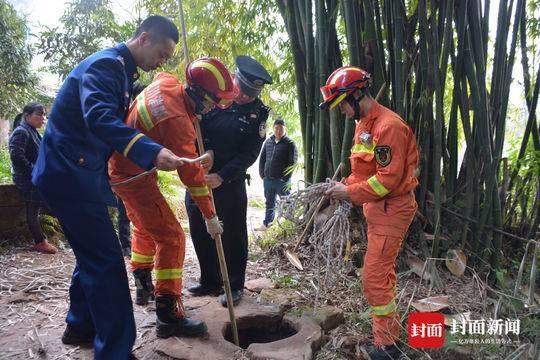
(328, 92)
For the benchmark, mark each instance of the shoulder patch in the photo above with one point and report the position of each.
(383, 155)
(262, 129)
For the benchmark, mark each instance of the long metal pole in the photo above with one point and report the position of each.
(219, 245)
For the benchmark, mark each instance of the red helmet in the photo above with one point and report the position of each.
(342, 82)
(211, 80)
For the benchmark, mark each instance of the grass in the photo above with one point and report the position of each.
(285, 281)
(5, 166)
(275, 233)
(172, 189)
(256, 203)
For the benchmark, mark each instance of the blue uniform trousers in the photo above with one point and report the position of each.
(99, 293)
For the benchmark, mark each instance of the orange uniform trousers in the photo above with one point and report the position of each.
(156, 233)
(387, 221)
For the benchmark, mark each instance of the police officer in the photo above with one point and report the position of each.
(235, 135)
(85, 126)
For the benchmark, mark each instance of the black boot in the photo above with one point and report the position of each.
(145, 288)
(170, 323)
(389, 352)
(74, 337)
(236, 297)
(203, 290)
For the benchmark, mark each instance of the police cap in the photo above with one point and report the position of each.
(251, 75)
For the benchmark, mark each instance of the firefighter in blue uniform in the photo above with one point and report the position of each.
(235, 135)
(85, 125)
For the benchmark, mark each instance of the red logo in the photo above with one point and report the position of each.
(426, 330)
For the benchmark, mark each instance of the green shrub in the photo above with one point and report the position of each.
(173, 191)
(5, 166)
(276, 233)
(256, 203)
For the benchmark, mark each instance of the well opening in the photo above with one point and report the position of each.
(260, 330)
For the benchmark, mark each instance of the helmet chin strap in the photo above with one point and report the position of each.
(197, 98)
(355, 103)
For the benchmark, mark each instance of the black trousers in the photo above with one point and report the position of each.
(34, 207)
(124, 234)
(231, 207)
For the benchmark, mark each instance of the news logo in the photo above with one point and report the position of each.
(426, 330)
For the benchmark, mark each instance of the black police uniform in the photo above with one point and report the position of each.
(235, 135)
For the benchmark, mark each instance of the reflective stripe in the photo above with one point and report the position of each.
(131, 143)
(377, 186)
(140, 258)
(198, 190)
(383, 310)
(168, 274)
(337, 100)
(342, 72)
(143, 113)
(361, 148)
(213, 69)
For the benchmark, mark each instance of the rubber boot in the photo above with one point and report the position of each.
(172, 322)
(145, 288)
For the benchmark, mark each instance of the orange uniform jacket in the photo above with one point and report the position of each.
(383, 161)
(162, 112)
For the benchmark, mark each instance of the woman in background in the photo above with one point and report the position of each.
(24, 144)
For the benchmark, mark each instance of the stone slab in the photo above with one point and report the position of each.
(328, 317)
(301, 346)
(283, 298)
(214, 345)
(249, 314)
(257, 285)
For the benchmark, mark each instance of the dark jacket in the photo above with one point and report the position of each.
(236, 135)
(277, 157)
(23, 150)
(86, 124)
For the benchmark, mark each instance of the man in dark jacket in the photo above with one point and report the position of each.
(277, 156)
(24, 145)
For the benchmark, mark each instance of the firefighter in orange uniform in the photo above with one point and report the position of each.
(165, 112)
(384, 158)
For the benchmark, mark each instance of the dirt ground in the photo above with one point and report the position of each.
(34, 300)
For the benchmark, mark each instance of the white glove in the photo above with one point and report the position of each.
(214, 227)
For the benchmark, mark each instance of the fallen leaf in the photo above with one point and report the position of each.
(456, 262)
(466, 316)
(431, 304)
(417, 266)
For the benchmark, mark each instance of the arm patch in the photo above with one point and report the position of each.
(383, 155)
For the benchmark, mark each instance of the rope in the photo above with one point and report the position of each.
(326, 245)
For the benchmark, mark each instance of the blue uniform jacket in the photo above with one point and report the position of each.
(86, 124)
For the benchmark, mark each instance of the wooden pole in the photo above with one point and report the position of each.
(219, 245)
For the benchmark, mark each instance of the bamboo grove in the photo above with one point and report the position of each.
(422, 55)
